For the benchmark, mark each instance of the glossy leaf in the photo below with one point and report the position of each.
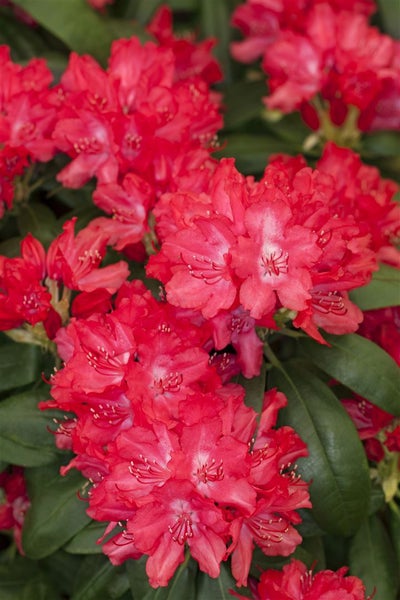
(19, 365)
(24, 436)
(217, 589)
(75, 23)
(371, 558)
(243, 101)
(389, 10)
(14, 576)
(252, 151)
(384, 290)
(395, 530)
(139, 582)
(182, 585)
(214, 17)
(38, 220)
(255, 389)
(339, 487)
(359, 364)
(84, 542)
(98, 579)
(56, 512)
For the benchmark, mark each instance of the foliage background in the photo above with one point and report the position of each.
(350, 523)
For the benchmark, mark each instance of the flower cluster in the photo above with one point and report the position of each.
(14, 503)
(27, 119)
(172, 452)
(298, 240)
(323, 51)
(35, 288)
(176, 459)
(297, 582)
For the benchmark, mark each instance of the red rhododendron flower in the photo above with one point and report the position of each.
(290, 241)
(169, 448)
(297, 582)
(192, 59)
(323, 49)
(15, 504)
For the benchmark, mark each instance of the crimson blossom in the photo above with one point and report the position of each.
(14, 504)
(174, 455)
(35, 288)
(27, 119)
(297, 582)
(140, 126)
(323, 51)
(295, 242)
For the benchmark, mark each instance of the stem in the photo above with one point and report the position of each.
(271, 356)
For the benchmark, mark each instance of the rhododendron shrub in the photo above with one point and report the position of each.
(199, 300)
(324, 59)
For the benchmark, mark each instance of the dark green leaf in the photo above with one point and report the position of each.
(182, 585)
(382, 143)
(314, 547)
(98, 579)
(19, 365)
(377, 499)
(75, 23)
(371, 558)
(56, 513)
(25, 42)
(308, 526)
(139, 582)
(395, 529)
(361, 365)
(384, 290)
(217, 589)
(215, 17)
(243, 102)
(252, 151)
(255, 389)
(24, 436)
(389, 11)
(58, 568)
(14, 576)
(340, 487)
(84, 542)
(38, 220)
(336, 551)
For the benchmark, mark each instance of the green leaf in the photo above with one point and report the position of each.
(39, 220)
(56, 512)
(182, 585)
(384, 290)
(58, 568)
(75, 23)
(98, 579)
(255, 389)
(139, 582)
(215, 17)
(84, 542)
(24, 436)
(19, 365)
(217, 589)
(14, 576)
(252, 151)
(381, 143)
(389, 11)
(243, 102)
(339, 487)
(359, 364)
(394, 525)
(371, 558)
(24, 41)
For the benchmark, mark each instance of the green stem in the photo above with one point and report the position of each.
(271, 356)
